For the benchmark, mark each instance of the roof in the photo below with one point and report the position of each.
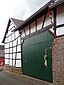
(39, 13)
(16, 22)
(56, 4)
(35, 16)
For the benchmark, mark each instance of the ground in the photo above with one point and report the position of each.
(8, 79)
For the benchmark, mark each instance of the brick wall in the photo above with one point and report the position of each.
(58, 61)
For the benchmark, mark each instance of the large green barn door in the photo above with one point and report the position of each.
(37, 56)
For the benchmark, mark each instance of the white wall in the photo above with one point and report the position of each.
(60, 20)
(10, 47)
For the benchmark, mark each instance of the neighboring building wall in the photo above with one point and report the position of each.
(2, 61)
(13, 47)
(58, 61)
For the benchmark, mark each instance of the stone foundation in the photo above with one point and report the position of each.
(13, 69)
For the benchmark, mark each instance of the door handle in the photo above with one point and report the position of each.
(45, 60)
(46, 57)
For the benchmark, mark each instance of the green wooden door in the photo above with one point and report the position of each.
(34, 51)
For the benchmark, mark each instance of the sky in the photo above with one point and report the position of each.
(18, 9)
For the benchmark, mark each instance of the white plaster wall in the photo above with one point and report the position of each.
(10, 44)
(27, 30)
(51, 29)
(11, 26)
(47, 20)
(7, 45)
(10, 56)
(40, 22)
(18, 55)
(16, 34)
(60, 31)
(14, 49)
(14, 42)
(13, 62)
(9, 32)
(10, 50)
(13, 55)
(18, 63)
(18, 48)
(23, 34)
(10, 62)
(13, 36)
(19, 40)
(60, 15)
(6, 61)
(32, 27)
(6, 56)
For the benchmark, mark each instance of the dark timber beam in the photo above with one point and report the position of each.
(36, 24)
(44, 20)
(39, 31)
(55, 10)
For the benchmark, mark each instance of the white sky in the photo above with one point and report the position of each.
(19, 9)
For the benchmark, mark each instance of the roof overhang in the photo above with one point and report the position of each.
(35, 16)
(56, 4)
(39, 13)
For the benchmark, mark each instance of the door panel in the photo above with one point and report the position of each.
(33, 51)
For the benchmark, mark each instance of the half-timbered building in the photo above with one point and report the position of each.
(12, 41)
(37, 35)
